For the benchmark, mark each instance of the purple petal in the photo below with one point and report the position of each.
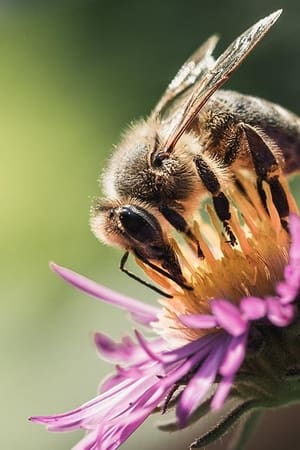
(198, 321)
(144, 318)
(148, 313)
(176, 372)
(289, 288)
(88, 442)
(229, 317)
(280, 315)
(123, 426)
(113, 351)
(126, 351)
(109, 382)
(205, 343)
(199, 385)
(100, 404)
(294, 227)
(221, 393)
(146, 347)
(107, 407)
(292, 275)
(287, 293)
(235, 355)
(143, 369)
(253, 308)
(114, 429)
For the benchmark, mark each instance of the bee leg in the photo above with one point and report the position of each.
(177, 277)
(136, 278)
(267, 169)
(220, 201)
(261, 193)
(181, 225)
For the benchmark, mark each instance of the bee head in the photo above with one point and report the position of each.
(134, 228)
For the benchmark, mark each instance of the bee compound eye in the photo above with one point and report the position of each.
(139, 224)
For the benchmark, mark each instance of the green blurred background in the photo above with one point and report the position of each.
(72, 75)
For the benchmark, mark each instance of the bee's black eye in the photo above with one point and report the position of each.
(139, 224)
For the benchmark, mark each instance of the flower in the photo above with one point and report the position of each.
(232, 337)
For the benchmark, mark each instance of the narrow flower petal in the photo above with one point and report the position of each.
(126, 350)
(206, 343)
(287, 293)
(292, 275)
(235, 355)
(144, 318)
(222, 393)
(147, 312)
(253, 308)
(140, 369)
(88, 442)
(294, 227)
(109, 382)
(114, 429)
(146, 347)
(70, 419)
(280, 315)
(200, 383)
(289, 288)
(228, 317)
(112, 351)
(198, 321)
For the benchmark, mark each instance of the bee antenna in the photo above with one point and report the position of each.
(136, 278)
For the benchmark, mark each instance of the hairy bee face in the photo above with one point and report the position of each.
(137, 170)
(128, 225)
(136, 229)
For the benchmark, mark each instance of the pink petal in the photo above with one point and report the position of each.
(253, 308)
(88, 442)
(280, 315)
(287, 293)
(109, 382)
(235, 355)
(200, 383)
(113, 351)
(99, 405)
(198, 321)
(146, 313)
(221, 393)
(292, 275)
(127, 351)
(146, 347)
(289, 288)
(229, 317)
(204, 344)
(294, 227)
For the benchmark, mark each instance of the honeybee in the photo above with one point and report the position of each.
(193, 143)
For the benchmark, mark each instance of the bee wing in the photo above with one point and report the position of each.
(193, 69)
(215, 77)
